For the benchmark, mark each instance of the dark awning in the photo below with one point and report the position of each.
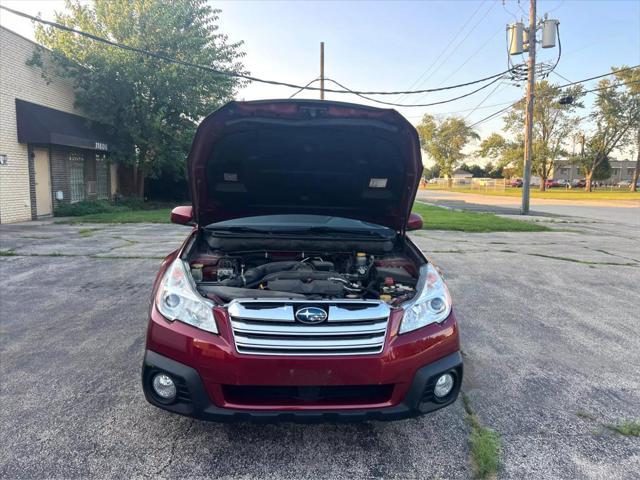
(43, 125)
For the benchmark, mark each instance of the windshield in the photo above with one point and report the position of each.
(301, 224)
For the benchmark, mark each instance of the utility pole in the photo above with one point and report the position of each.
(521, 40)
(321, 70)
(528, 128)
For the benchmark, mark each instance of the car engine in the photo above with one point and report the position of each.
(354, 275)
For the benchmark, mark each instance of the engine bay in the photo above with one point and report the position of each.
(315, 275)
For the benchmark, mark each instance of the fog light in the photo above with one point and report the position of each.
(163, 386)
(444, 385)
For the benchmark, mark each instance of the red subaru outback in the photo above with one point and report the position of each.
(298, 295)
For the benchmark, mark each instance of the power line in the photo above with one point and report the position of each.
(494, 78)
(483, 100)
(359, 94)
(473, 55)
(615, 85)
(442, 52)
(489, 117)
(243, 76)
(484, 107)
(556, 7)
(598, 76)
(494, 114)
(444, 60)
(561, 76)
(303, 88)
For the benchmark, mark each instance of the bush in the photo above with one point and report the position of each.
(132, 203)
(91, 207)
(83, 208)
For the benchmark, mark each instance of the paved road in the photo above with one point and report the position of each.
(545, 338)
(625, 212)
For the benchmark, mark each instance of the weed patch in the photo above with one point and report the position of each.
(484, 444)
(626, 428)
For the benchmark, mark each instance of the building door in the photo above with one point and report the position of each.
(43, 182)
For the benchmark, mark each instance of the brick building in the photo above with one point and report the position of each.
(49, 152)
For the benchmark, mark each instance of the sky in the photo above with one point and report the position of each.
(398, 45)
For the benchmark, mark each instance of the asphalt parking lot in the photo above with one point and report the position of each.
(550, 335)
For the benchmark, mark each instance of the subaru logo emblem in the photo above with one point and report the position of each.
(311, 315)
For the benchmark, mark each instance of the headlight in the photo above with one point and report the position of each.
(177, 299)
(432, 303)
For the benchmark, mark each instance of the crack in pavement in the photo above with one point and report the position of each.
(174, 445)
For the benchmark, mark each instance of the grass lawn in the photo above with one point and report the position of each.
(435, 218)
(438, 218)
(156, 215)
(553, 193)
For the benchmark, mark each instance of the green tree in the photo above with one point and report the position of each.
(493, 171)
(632, 80)
(475, 170)
(615, 119)
(444, 142)
(432, 172)
(507, 154)
(153, 106)
(553, 123)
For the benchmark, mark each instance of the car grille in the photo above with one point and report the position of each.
(269, 327)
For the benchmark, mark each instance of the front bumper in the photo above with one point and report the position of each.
(194, 401)
(208, 369)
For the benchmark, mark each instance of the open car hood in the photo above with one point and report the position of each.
(306, 157)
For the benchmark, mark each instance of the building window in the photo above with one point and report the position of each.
(102, 176)
(76, 177)
(565, 170)
(615, 171)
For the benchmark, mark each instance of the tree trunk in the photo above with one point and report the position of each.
(543, 183)
(636, 172)
(449, 182)
(134, 180)
(140, 185)
(587, 179)
(138, 172)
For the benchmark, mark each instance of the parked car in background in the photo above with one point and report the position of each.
(298, 294)
(579, 183)
(551, 183)
(515, 182)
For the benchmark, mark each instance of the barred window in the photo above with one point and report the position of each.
(76, 177)
(102, 176)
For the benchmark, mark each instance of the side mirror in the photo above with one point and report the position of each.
(415, 222)
(182, 215)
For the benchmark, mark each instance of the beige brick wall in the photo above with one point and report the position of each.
(17, 80)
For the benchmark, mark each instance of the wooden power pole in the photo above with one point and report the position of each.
(321, 70)
(528, 126)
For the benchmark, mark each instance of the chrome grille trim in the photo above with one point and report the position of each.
(268, 327)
